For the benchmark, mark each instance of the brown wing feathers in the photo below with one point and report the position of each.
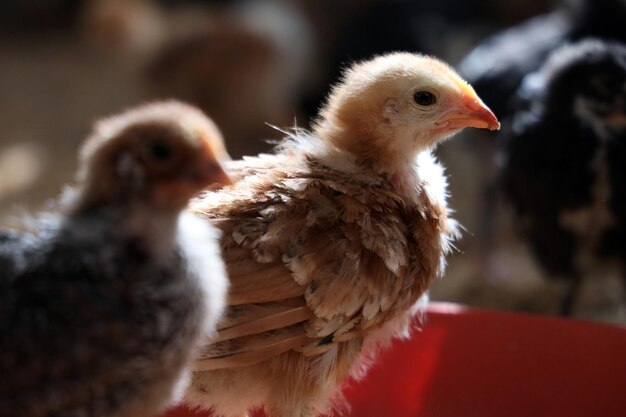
(248, 350)
(244, 320)
(289, 289)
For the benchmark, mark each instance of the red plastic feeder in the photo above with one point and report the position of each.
(476, 363)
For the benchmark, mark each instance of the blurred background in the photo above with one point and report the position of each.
(66, 63)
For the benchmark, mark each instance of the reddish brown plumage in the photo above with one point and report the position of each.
(330, 244)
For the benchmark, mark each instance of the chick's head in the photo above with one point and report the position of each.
(396, 105)
(160, 154)
(588, 80)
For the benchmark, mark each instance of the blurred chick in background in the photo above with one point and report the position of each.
(331, 242)
(102, 305)
(496, 67)
(246, 63)
(564, 162)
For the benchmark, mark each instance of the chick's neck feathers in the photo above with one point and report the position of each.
(355, 124)
(369, 148)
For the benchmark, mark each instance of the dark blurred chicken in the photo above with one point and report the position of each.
(497, 66)
(103, 304)
(565, 158)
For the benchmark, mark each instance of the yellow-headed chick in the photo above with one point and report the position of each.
(102, 305)
(331, 242)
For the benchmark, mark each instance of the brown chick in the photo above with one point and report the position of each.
(331, 242)
(103, 303)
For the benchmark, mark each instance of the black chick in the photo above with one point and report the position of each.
(564, 159)
(102, 304)
(497, 66)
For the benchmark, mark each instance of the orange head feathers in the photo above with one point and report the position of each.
(160, 153)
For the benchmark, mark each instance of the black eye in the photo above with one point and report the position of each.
(424, 98)
(160, 151)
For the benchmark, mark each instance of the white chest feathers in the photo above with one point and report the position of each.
(199, 243)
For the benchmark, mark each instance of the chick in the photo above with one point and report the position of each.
(332, 241)
(496, 68)
(102, 305)
(563, 161)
